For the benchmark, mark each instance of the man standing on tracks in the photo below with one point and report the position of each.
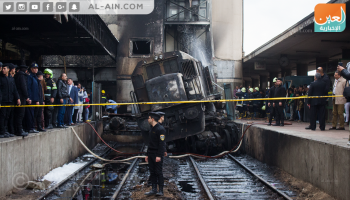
(50, 95)
(271, 102)
(155, 154)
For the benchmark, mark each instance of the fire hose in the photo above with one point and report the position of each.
(234, 149)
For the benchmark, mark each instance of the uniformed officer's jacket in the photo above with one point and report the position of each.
(272, 93)
(157, 140)
(280, 91)
(51, 89)
(21, 79)
(8, 89)
(257, 95)
(245, 96)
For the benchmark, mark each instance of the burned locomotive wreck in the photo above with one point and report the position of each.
(199, 127)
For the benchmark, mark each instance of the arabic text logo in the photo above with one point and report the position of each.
(330, 17)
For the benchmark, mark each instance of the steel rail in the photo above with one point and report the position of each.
(261, 179)
(73, 174)
(131, 167)
(205, 186)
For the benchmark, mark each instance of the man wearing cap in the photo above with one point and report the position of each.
(10, 125)
(155, 154)
(9, 94)
(280, 91)
(50, 95)
(271, 103)
(33, 92)
(21, 79)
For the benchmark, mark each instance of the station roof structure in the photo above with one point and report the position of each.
(59, 34)
(300, 44)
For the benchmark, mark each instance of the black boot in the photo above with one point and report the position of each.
(153, 191)
(9, 134)
(40, 128)
(49, 126)
(160, 193)
(21, 133)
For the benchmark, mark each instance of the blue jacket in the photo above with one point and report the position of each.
(33, 87)
(73, 94)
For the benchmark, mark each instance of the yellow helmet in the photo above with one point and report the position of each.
(251, 89)
(103, 92)
(243, 89)
(275, 79)
(257, 89)
(263, 108)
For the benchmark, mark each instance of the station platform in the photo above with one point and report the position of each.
(321, 158)
(29, 158)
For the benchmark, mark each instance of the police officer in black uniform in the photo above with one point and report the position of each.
(21, 79)
(271, 102)
(9, 96)
(50, 95)
(10, 126)
(155, 154)
(280, 91)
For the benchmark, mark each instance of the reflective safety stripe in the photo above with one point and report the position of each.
(104, 97)
(47, 95)
(54, 88)
(48, 87)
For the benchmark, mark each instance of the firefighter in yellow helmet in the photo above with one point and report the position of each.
(50, 95)
(103, 100)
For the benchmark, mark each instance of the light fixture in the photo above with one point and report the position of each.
(155, 57)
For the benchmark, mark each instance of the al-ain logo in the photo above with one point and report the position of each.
(330, 17)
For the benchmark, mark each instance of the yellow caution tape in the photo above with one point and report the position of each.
(172, 102)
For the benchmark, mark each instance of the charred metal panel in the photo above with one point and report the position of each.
(136, 27)
(169, 87)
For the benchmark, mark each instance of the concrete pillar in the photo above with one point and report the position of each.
(302, 69)
(263, 82)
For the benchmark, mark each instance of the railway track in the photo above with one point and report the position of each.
(227, 178)
(92, 183)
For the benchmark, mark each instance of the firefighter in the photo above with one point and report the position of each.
(103, 100)
(256, 103)
(245, 95)
(50, 95)
(155, 154)
(21, 79)
(250, 103)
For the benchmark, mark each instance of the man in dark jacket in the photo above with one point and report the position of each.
(317, 105)
(345, 73)
(10, 125)
(33, 92)
(21, 79)
(61, 98)
(40, 77)
(280, 91)
(270, 103)
(73, 99)
(8, 95)
(324, 78)
(50, 95)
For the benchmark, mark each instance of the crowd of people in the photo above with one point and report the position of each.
(23, 85)
(294, 108)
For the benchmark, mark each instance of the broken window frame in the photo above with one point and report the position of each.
(131, 42)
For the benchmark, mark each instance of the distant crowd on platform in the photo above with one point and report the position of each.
(23, 85)
(294, 109)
